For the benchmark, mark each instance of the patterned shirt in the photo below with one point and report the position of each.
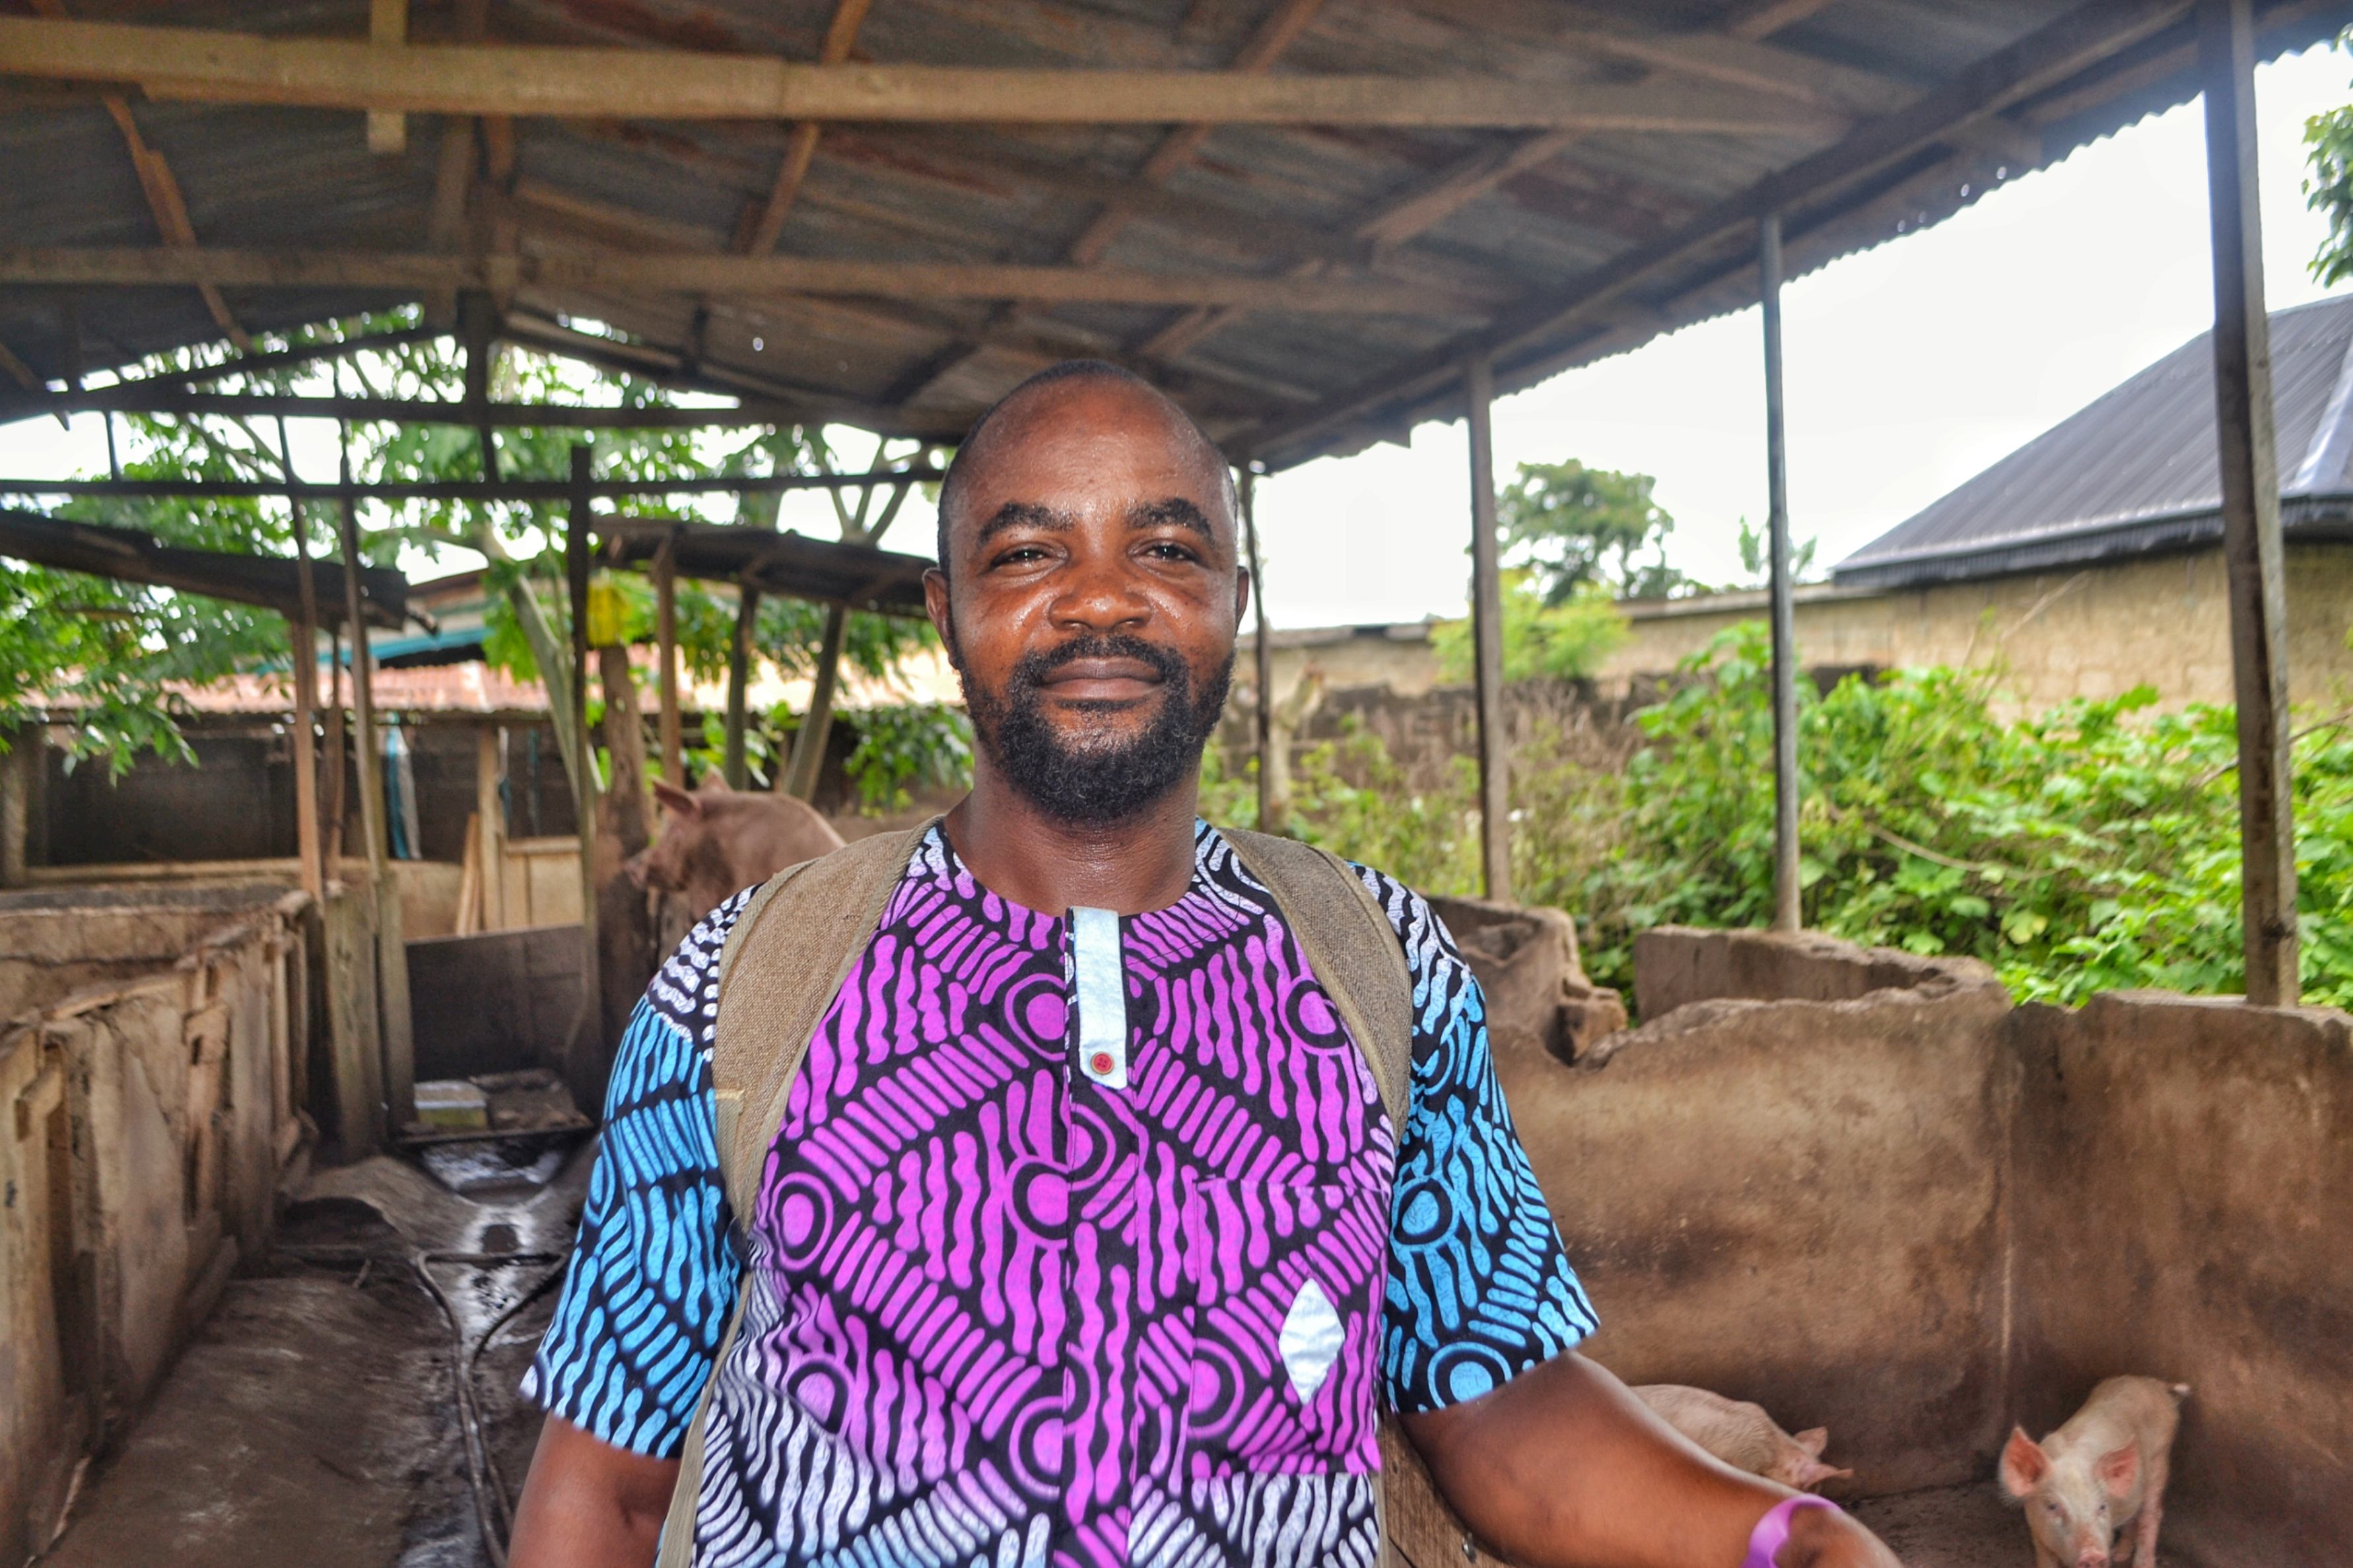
(1014, 1300)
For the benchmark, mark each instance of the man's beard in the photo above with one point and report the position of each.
(1100, 780)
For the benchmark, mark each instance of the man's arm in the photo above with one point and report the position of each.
(1562, 1468)
(587, 1504)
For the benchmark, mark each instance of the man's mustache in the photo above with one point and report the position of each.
(1033, 667)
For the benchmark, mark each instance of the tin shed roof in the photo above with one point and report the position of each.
(1305, 281)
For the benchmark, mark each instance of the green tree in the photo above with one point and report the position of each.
(2328, 185)
(1576, 528)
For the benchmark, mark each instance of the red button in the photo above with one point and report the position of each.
(1099, 1064)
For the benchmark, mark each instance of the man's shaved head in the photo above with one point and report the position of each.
(1004, 419)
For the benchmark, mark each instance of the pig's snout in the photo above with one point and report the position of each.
(2091, 1557)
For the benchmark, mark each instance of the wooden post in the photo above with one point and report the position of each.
(739, 675)
(309, 843)
(490, 825)
(2251, 552)
(368, 764)
(1487, 633)
(387, 133)
(817, 724)
(1270, 810)
(673, 752)
(16, 802)
(1787, 915)
(584, 753)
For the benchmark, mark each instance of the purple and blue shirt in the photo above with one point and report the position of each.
(1083, 1241)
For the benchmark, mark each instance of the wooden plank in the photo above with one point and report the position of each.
(731, 766)
(1762, 18)
(1786, 914)
(665, 575)
(210, 66)
(767, 221)
(2253, 558)
(693, 273)
(369, 762)
(1487, 636)
(20, 372)
(490, 827)
(387, 133)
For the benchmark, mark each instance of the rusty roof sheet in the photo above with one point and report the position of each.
(1653, 218)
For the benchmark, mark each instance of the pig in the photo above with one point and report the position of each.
(716, 842)
(2096, 1486)
(1742, 1434)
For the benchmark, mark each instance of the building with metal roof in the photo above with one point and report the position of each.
(2089, 561)
(2134, 472)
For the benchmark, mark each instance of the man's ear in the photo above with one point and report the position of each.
(1243, 588)
(676, 799)
(935, 604)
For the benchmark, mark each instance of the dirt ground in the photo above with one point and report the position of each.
(314, 1421)
(1956, 1527)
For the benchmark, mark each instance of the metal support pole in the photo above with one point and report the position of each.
(673, 754)
(369, 764)
(739, 676)
(1487, 630)
(2252, 553)
(1786, 913)
(1262, 660)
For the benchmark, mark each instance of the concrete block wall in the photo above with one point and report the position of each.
(152, 1120)
(1866, 1190)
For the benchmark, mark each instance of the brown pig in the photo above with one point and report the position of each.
(1742, 1434)
(2095, 1488)
(716, 842)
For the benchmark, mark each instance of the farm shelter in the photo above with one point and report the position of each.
(2089, 561)
(1315, 224)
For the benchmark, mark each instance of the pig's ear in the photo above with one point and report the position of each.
(715, 784)
(2120, 1470)
(1816, 1473)
(2023, 1464)
(1813, 1440)
(676, 799)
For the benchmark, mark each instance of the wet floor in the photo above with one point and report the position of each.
(320, 1415)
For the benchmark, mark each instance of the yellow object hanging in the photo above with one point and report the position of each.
(608, 611)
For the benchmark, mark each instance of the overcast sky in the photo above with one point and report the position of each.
(1910, 368)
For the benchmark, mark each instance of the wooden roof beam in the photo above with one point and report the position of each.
(697, 273)
(207, 66)
(140, 398)
(1762, 18)
(156, 183)
(766, 222)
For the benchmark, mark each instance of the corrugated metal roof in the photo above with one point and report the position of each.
(1262, 200)
(2138, 469)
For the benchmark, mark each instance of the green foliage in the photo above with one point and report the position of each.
(911, 743)
(1759, 568)
(1577, 528)
(1350, 796)
(1569, 639)
(2328, 185)
(2094, 848)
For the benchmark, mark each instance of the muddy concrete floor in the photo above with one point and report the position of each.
(316, 1418)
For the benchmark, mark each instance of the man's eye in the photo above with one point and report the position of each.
(1019, 555)
(1169, 550)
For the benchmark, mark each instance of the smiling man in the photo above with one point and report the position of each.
(1096, 1184)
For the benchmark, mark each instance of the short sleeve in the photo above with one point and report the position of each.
(652, 1276)
(1480, 1289)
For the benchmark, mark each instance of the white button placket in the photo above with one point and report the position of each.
(1102, 996)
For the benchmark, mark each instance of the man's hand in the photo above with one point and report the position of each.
(1821, 1538)
(1561, 1468)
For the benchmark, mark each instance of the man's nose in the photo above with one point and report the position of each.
(1101, 594)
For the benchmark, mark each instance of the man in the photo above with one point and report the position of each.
(1021, 1291)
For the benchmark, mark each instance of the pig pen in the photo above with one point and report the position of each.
(169, 1053)
(1868, 1192)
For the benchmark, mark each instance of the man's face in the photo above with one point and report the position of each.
(1092, 598)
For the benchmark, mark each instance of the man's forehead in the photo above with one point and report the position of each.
(1098, 426)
